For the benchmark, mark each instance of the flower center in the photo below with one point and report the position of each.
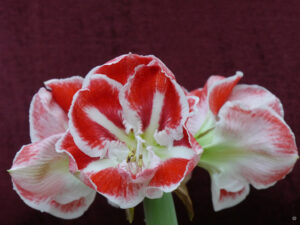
(132, 158)
(140, 152)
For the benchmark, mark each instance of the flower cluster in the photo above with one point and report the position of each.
(128, 131)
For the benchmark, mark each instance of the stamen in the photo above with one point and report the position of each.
(131, 154)
(140, 161)
(204, 133)
(133, 159)
(135, 156)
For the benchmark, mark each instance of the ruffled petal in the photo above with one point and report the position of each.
(159, 107)
(41, 177)
(122, 67)
(254, 96)
(220, 90)
(189, 142)
(96, 117)
(199, 109)
(171, 173)
(115, 185)
(178, 161)
(157, 62)
(249, 146)
(63, 90)
(46, 117)
(206, 102)
(199, 106)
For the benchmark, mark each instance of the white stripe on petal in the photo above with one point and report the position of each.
(99, 165)
(95, 115)
(157, 105)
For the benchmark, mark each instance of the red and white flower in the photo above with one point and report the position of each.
(244, 137)
(40, 175)
(126, 135)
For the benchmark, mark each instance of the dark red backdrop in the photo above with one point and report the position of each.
(40, 40)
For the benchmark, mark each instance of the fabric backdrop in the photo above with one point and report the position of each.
(40, 40)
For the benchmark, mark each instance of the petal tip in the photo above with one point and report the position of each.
(239, 74)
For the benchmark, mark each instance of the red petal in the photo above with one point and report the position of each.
(164, 68)
(96, 114)
(159, 105)
(219, 91)
(171, 172)
(184, 141)
(63, 90)
(188, 141)
(118, 188)
(121, 68)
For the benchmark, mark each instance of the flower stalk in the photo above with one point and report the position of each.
(160, 211)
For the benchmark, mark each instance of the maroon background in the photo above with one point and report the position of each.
(41, 40)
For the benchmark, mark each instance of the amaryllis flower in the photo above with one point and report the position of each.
(126, 135)
(40, 175)
(244, 138)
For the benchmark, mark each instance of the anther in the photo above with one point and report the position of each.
(140, 161)
(131, 156)
(133, 159)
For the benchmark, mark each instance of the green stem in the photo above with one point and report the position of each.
(160, 211)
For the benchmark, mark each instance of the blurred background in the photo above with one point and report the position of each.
(41, 40)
